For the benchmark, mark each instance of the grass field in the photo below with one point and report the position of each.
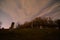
(30, 34)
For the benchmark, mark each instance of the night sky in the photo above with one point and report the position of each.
(26, 10)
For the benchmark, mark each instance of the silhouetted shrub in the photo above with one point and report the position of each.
(58, 23)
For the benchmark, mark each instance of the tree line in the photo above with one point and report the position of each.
(40, 22)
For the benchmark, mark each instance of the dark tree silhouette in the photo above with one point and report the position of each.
(27, 25)
(37, 22)
(58, 23)
(12, 25)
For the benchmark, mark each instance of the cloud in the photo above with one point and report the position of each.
(49, 9)
(28, 8)
(54, 10)
(18, 4)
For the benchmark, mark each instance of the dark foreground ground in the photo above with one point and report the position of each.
(30, 34)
